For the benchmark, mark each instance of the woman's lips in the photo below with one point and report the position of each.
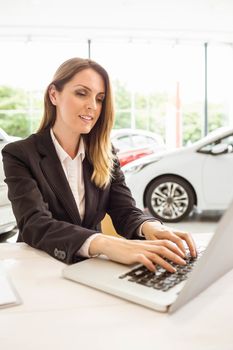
(86, 117)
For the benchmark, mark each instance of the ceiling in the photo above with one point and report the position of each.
(99, 20)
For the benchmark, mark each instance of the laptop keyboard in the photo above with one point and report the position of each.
(162, 279)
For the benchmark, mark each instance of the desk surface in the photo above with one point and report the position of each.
(60, 314)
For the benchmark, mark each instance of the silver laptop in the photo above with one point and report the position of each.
(161, 291)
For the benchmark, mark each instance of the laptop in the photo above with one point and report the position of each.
(161, 291)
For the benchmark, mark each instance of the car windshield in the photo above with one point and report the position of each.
(3, 135)
(228, 140)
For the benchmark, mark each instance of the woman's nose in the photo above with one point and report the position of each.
(92, 104)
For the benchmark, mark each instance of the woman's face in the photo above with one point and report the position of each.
(79, 104)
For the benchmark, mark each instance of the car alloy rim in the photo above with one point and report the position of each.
(169, 200)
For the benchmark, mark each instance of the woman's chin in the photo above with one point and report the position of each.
(85, 130)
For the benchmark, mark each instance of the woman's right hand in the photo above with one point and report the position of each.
(148, 252)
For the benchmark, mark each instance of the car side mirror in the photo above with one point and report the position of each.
(221, 148)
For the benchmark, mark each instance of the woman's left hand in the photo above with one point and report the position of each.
(154, 230)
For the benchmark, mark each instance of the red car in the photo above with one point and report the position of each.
(130, 155)
(132, 144)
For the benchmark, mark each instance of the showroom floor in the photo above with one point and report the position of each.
(198, 223)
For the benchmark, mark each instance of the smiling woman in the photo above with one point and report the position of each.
(78, 98)
(78, 107)
(65, 178)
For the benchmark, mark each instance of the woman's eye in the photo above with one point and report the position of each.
(80, 93)
(100, 99)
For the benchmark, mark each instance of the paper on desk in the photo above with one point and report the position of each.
(8, 294)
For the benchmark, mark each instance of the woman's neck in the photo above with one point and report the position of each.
(68, 141)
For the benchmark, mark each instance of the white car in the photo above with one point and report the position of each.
(4, 139)
(7, 219)
(171, 184)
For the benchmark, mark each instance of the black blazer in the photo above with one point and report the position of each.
(44, 206)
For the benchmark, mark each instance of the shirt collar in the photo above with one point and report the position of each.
(62, 155)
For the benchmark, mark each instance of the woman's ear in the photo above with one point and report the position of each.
(53, 94)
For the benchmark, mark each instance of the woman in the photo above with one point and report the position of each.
(65, 178)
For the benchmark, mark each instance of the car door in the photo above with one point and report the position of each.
(218, 174)
(3, 187)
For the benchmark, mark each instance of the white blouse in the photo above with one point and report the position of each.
(73, 169)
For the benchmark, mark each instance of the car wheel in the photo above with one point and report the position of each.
(169, 198)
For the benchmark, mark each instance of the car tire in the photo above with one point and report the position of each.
(170, 198)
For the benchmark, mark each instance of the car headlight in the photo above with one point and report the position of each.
(136, 166)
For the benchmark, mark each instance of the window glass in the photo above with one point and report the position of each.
(159, 86)
(151, 141)
(170, 84)
(123, 142)
(26, 69)
(226, 140)
(139, 141)
(220, 86)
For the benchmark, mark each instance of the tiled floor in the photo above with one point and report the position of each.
(198, 223)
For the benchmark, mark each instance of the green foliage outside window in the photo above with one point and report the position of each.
(20, 112)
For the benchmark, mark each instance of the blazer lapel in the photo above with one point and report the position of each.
(91, 194)
(53, 171)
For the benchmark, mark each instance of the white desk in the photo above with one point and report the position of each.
(63, 315)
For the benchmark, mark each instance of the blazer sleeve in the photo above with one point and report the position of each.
(126, 217)
(36, 224)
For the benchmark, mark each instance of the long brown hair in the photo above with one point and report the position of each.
(97, 142)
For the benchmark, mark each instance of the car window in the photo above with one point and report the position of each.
(144, 141)
(152, 141)
(139, 141)
(225, 140)
(123, 142)
(2, 138)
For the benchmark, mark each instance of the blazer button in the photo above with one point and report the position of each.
(56, 252)
(63, 255)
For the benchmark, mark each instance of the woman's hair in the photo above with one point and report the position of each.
(97, 143)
